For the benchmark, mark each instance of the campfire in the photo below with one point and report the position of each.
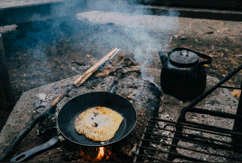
(158, 123)
(120, 75)
(96, 154)
(92, 156)
(147, 141)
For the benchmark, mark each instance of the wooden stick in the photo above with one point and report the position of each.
(114, 67)
(62, 95)
(80, 80)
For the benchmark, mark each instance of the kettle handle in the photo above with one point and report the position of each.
(208, 61)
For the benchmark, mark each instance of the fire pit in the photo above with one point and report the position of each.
(126, 81)
(135, 90)
(121, 151)
(143, 94)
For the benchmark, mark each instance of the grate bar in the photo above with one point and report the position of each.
(214, 113)
(140, 144)
(173, 154)
(181, 147)
(214, 145)
(230, 87)
(205, 138)
(199, 142)
(216, 129)
(207, 142)
(187, 126)
(183, 128)
(205, 127)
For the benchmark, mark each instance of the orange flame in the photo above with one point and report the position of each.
(87, 156)
(96, 154)
(100, 154)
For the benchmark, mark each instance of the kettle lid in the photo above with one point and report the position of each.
(184, 57)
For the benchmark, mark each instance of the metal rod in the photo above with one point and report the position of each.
(187, 123)
(196, 101)
(191, 140)
(205, 138)
(181, 147)
(178, 135)
(205, 94)
(140, 144)
(215, 113)
(203, 126)
(230, 87)
(238, 123)
(188, 138)
(174, 154)
(200, 142)
(208, 129)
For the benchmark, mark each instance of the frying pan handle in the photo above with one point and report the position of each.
(41, 148)
(8, 152)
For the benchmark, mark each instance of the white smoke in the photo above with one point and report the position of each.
(130, 28)
(103, 25)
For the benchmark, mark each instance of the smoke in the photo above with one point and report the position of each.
(102, 25)
(135, 29)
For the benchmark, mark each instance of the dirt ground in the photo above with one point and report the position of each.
(35, 62)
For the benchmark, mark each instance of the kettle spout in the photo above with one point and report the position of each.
(163, 57)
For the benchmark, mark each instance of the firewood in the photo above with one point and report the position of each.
(80, 80)
(111, 67)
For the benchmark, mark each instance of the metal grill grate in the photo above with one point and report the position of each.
(183, 140)
(164, 140)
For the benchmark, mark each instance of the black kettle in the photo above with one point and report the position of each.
(183, 75)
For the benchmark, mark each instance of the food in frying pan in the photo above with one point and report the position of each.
(98, 123)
